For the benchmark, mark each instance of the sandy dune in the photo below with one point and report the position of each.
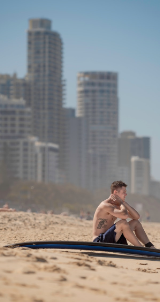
(60, 275)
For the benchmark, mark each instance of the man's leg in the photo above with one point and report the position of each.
(124, 227)
(136, 227)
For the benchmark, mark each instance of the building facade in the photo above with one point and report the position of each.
(76, 146)
(98, 106)
(15, 126)
(47, 162)
(5, 85)
(130, 145)
(15, 118)
(45, 77)
(15, 88)
(140, 176)
(155, 188)
(22, 156)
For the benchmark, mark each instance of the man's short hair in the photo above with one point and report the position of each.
(117, 185)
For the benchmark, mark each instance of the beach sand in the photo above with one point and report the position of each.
(60, 275)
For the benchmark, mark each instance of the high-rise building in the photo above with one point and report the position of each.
(45, 78)
(140, 175)
(130, 145)
(98, 105)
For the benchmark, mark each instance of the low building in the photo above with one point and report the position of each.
(47, 157)
(15, 126)
(22, 156)
(17, 158)
(15, 118)
(15, 88)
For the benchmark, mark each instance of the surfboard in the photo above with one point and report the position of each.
(89, 246)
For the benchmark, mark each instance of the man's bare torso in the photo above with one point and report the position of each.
(102, 220)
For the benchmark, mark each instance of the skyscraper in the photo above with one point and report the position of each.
(45, 78)
(98, 104)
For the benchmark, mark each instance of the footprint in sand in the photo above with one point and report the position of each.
(39, 259)
(83, 264)
(96, 290)
(148, 270)
(7, 271)
(106, 263)
(26, 270)
(27, 285)
(50, 268)
(144, 295)
(62, 279)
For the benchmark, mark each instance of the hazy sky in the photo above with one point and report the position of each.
(106, 35)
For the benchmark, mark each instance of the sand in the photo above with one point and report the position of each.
(60, 275)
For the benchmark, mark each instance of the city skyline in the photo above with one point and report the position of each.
(132, 52)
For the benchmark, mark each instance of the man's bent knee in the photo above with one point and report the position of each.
(123, 222)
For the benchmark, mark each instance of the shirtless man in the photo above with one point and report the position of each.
(104, 229)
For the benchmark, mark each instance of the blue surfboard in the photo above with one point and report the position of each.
(90, 246)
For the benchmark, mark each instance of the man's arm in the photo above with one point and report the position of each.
(132, 213)
(122, 213)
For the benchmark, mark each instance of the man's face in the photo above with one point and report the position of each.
(121, 192)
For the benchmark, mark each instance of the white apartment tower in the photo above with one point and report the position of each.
(130, 145)
(45, 77)
(140, 175)
(47, 170)
(98, 104)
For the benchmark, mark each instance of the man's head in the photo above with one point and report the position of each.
(119, 188)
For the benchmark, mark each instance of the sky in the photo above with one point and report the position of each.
(106, 35)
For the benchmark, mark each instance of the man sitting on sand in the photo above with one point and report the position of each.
(104, 229)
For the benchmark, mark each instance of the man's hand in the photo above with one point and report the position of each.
(116, 199)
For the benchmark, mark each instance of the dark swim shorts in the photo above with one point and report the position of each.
(109, 237)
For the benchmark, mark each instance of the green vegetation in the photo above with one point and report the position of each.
(67, 198)
(43, 197)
